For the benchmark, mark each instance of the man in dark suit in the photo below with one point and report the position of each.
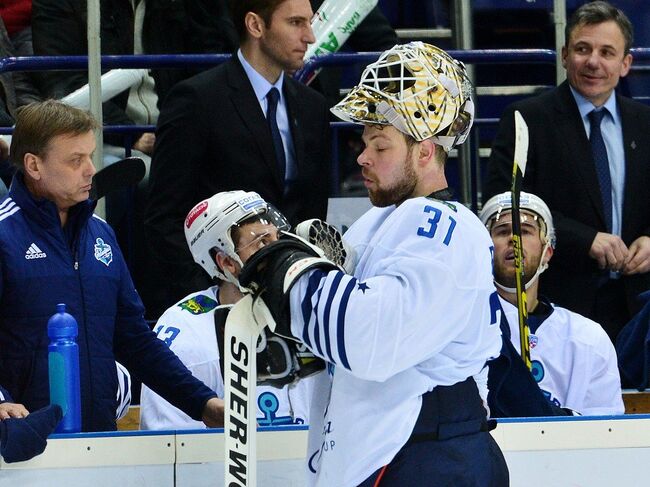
(593, 174)
(220, 130)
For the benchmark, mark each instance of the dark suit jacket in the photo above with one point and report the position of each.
(561, 171)
(212, 136)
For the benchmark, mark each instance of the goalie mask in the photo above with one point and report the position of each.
(208, 227)
(530, 206)
(418, 89)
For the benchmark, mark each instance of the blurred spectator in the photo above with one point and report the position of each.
(16, 88)
(127, 27)
(595, 181)
(215, 134)
(17, 41)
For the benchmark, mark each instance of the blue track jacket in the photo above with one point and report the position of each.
(81, 265)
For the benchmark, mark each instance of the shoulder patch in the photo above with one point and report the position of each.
(198, 304)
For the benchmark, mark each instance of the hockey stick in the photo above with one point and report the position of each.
(332, 25)
(120, 174)
(240, 381)
(518, 171)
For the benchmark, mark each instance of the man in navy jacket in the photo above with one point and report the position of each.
(54, 250)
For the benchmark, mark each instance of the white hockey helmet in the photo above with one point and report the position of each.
(418, 89)
(499, 203)
(209, 224)
(530, 203)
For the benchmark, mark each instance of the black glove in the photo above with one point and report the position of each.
(24, 438)
(272, 271)
(282, 361)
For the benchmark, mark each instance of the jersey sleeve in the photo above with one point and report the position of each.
(157, 414)
(603, 395)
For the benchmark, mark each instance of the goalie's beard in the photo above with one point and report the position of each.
(400, 190)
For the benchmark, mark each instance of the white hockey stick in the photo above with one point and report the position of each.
(245, 323)
(333, 23)
(240, 378)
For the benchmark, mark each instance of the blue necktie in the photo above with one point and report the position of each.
(272, 98)
(599, 152)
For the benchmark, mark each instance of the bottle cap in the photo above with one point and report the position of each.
(62, 324)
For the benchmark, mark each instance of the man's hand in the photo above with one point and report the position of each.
(609, 251)
(638, 261)
(12, 410)
(213, 413)
(145, 143)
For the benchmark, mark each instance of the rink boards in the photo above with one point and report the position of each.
(554, 452)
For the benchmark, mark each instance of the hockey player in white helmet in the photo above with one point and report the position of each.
(222, 232)
(574, 361)
(408, 332)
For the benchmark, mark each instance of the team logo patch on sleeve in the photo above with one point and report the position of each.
(103, 252)
(198, 304)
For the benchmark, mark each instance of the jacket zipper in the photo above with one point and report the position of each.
(89, 383)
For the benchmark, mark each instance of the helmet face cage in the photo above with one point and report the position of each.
(271, 216)
(208, 226)
(417, 88)
(495, 206)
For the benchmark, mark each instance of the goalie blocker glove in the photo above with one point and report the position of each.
(273, 270)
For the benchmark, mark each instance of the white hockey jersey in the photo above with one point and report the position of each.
(188, 328)
(420, 311)
(574, 361)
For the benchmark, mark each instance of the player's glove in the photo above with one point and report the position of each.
(282, 361)
(327, 238)
(24, 438)
(273, 270)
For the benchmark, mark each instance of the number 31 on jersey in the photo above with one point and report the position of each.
(434, 224)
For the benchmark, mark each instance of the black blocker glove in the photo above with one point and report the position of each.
(273, 270)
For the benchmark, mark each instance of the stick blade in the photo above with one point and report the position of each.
(521, 142)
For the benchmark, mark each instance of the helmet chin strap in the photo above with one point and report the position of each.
(230, 277)
(540, 268)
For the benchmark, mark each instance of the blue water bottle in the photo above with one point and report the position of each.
(63, 360)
